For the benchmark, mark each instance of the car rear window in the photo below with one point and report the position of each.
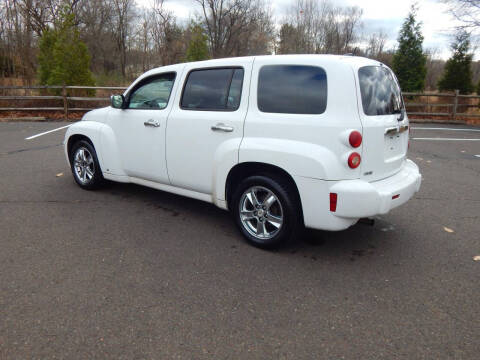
(380, 92)
(292, 89)
(213, 89)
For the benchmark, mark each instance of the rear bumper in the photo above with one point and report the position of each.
(358, 198)
(355, 198)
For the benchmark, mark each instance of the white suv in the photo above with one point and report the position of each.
(281, 141)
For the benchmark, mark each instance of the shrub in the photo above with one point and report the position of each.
(63, 58)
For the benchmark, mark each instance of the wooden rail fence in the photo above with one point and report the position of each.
(454, 109)
(417, 104)
(64, 99)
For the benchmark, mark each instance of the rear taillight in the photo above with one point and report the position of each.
(354, 160)
(355, 139)
(333, 202)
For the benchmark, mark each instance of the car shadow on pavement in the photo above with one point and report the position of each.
(354, 243)
(357, 242)
(168, 202)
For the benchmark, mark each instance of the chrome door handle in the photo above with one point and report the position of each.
(152, 123)
(396, 129)
(222, 127)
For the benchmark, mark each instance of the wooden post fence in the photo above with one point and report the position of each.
(65, 102)
(452, 108)
(10, 96)
(455, 104)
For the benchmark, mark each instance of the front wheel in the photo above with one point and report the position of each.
(266, 210)
(85, 166)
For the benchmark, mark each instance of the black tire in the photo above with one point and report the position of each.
(290, 209)
(87, 183)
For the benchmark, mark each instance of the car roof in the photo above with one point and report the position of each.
(355, 61)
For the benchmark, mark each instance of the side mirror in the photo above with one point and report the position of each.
(117, 101)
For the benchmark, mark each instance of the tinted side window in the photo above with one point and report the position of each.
(213, 89)
(292, 89)
(380, 92)
(153, 93)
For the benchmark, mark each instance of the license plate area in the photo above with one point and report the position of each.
(393, 146)
(394, 143)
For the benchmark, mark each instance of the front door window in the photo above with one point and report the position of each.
(153, 93)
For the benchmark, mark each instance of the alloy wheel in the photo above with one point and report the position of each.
(261, 212)
(83, 165)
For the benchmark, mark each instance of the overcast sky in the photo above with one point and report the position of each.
(386, 15)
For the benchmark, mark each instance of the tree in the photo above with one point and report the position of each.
(167, 36)
(260, 36)
(476, 71)
(317, 27)
(435, 68)
(123, 13)
(291, 40)
(376, 44)
(227, 23)
(40, 14)
(409, 61)
(97, 26)
(478, 88)
(63, 58)
(458, 72)
(197, 47)
(467, 12)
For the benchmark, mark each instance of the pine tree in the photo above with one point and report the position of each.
(458, 73)
(291, 40)
(63, 58)
(409, 61)
(197, 48)
(45, 61)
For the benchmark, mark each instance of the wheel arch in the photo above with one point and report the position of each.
(74, 139)
(243, 170)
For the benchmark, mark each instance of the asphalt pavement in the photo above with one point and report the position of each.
(129, 272)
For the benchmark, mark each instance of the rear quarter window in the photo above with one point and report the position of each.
(292, 89)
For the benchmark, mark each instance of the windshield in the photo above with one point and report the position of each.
(380, 92)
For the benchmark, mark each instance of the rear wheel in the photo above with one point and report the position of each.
(85, 166)
(266, 211)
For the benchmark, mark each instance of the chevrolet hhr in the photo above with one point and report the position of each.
(282, 142)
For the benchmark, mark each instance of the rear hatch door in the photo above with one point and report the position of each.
(384, 121)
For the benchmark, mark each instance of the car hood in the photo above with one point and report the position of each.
(98, 115)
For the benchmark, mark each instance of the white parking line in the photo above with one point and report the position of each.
(446, 129)
(414, 128)
(445, 139)
(46, 132)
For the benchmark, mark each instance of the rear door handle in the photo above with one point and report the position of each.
(396, 129)
(222, 127)
(151, 123)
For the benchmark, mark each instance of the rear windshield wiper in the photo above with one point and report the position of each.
(401, 112)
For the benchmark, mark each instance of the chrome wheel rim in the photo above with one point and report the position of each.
(83, 165)
(261, 212)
